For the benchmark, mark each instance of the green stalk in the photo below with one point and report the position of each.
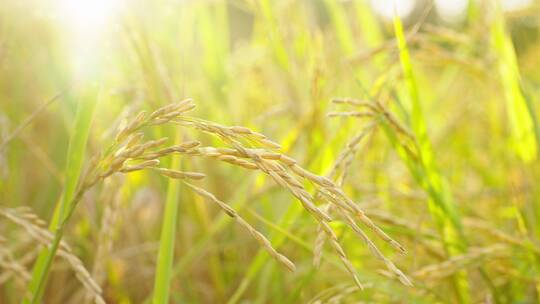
(426, 173)
(521, 116)
(166, 241)
(74, 164)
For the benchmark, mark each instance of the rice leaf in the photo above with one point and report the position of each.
(520, 115)
(425, 171)
(74, 165)
(166, 241)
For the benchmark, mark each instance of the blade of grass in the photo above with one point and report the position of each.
(425, 171)
(166, 241)
(523, 135)
(74, 165)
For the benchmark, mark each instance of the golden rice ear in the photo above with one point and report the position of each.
(190, 144)
(180, 174)
(134, 139)
(140, 166)
(285, 172)
(173, 109)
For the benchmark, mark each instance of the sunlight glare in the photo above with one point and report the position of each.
(86, 22)
(87, 16)
(452, 11)
(385, 8)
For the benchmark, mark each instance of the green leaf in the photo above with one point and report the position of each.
(166, 241)
(74, 165)
(424, 169)
(523, 136)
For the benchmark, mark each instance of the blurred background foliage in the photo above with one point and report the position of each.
(274, 66)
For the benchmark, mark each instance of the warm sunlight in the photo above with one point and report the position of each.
(452, 11)
(269, 151)
(86, 16)
(86, 23)
(386, 8)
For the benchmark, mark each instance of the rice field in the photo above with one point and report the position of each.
(257, 151)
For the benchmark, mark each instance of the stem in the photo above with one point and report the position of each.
(166, 242)
(51, 253)
(42, 276)
(73, 174)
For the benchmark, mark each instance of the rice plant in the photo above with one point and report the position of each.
(261, 151)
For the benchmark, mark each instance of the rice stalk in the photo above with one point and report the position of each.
(74, 165)
(441, 205)
(168, 231)
(524, 135)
